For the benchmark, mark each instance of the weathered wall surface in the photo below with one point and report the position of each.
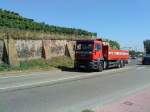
(1, 50)
(14, 50)
(57, 47)
(31, 49)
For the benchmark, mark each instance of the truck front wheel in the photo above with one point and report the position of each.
(100, 67)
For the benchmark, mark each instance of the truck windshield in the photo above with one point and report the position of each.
(83, 46)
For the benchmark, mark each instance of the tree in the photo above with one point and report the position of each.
(147, 46)
(113, 44)
(135, 53)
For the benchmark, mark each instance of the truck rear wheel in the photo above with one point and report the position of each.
(119, 65)
(121, 62)
(124, 63)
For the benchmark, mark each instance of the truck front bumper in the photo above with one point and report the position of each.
(86, 64)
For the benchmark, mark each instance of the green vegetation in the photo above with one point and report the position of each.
(147, 46)
(135, 53)
(13, 20)
(113, 44)
(24, 34)
(87, 110)
(40, 64)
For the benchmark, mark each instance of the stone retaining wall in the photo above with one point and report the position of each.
(34, 49)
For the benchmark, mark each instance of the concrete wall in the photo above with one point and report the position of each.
(32, 49)
(57, 47)
(29, 49)
(1, 49)
(12, 51)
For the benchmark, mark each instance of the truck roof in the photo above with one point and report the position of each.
(97, 39)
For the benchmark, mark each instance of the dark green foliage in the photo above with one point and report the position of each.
(10, 19)
(132, 52)
(147, 46)
(3, 67)
(113, 44)
(135, 53)
(87, 110)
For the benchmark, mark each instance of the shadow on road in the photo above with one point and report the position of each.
(71, 69)
(143, 65)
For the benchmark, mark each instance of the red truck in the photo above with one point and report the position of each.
(98, 55)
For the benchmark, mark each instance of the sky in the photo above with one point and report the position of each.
(126, 21)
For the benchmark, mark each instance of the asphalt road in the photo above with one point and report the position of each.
(74, 96)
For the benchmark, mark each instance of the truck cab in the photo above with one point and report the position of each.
(88, 54)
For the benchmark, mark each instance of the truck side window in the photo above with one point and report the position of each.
(97, 47)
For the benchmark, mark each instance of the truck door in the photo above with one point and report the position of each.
(98, 51)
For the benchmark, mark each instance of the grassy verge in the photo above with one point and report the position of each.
(87, 110)
(40, 64)
(35, 35)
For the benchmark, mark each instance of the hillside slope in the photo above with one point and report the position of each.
(11, 20)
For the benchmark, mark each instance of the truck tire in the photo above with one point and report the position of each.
(100, 67)
(124, 63)
(119, 64)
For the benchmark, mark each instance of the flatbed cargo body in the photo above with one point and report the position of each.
(117, 54)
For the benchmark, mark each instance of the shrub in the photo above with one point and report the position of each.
(87, 110)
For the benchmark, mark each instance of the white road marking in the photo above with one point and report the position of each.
(39, 73)
(59, 80)
(38, 83)
(139, 68)
(30, 74)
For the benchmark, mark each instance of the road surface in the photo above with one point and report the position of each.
(74, 96)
